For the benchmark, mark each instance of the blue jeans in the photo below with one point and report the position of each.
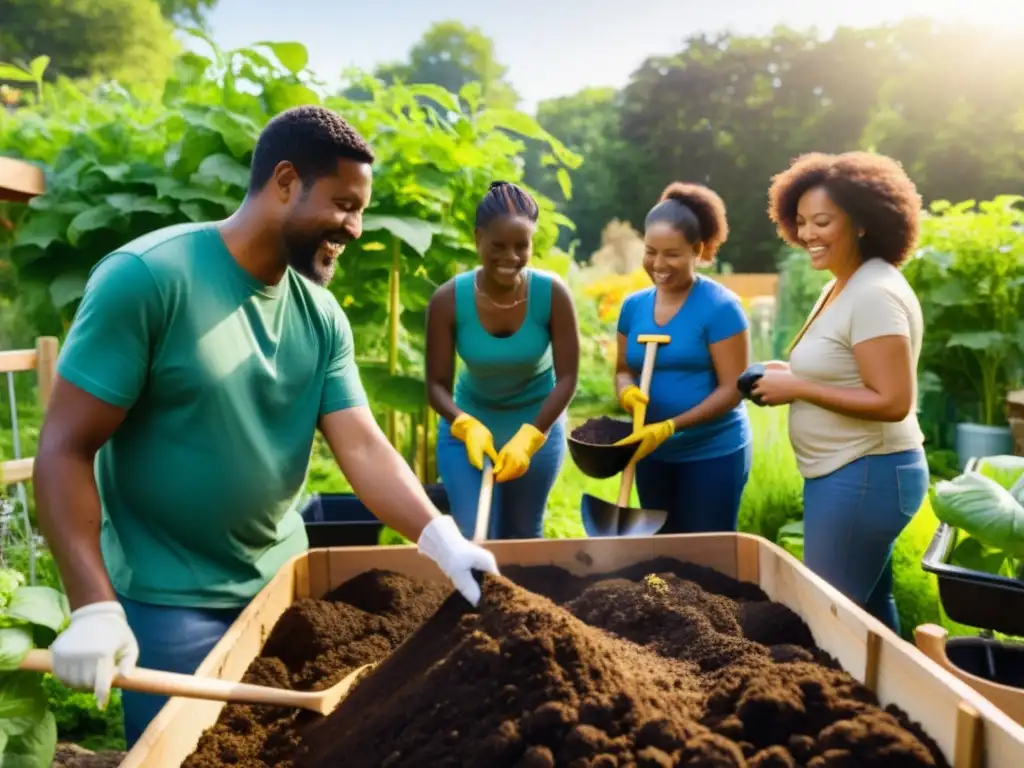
(171, 639)
(517, 506)
(700, 496)
(852, 518)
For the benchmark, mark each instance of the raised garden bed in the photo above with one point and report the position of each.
(670, 663)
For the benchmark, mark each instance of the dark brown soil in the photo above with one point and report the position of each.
(603, 430)
(74, 756)
(663, 664)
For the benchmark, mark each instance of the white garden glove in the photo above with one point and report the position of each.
(96, 643)
(443, 543)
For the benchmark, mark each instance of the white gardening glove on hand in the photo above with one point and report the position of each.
(443, 543)
(96, 643)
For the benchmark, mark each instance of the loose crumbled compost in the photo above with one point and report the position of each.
(662, 664)
(603, 430)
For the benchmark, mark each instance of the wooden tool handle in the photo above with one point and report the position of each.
(175, 684)
(639, 414)
(483, 505)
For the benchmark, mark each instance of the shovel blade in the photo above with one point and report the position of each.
(602, 518)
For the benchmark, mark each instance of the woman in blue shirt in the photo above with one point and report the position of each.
(695, 447)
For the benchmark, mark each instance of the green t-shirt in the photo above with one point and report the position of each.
(224, 378)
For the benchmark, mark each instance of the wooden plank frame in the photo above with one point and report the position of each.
(42, 360)
(970, 730)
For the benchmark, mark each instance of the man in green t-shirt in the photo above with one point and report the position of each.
(176, 442)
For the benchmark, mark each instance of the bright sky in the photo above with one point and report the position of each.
(555, 47)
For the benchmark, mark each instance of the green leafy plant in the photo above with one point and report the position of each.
(969, 276)
(986, 504)
(119, 167)
(30, 617)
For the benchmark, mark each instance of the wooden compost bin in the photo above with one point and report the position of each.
(969, 729)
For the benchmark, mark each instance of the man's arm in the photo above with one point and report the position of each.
(101, 371)
(378, 474)
(67, 500)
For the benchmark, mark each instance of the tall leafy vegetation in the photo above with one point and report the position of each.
(124, 40)
(119, 166)
(969, 275)
(731, 110)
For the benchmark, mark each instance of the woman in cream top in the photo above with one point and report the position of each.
(851, 379)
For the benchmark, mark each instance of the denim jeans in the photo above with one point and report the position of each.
(700, 496)
(171, 639)
(852, 518)
(517, 506)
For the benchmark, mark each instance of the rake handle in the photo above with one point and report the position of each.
(640, 411)
(187, 686)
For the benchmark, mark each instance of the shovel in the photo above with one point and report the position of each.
(600, 518)
(212, 689)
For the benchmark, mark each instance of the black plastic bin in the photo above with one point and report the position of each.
(989, 659)
(342, 520)
(974, 598)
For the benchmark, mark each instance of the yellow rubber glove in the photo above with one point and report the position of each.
(631, 397)
(515, 455)
(650, 436)
(477, 437)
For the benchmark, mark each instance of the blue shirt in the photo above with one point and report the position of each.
(684, 374)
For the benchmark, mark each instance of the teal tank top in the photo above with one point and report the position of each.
(503, 381)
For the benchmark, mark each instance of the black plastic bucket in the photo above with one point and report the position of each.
(342, 520)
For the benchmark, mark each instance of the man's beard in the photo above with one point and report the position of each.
(308, 256)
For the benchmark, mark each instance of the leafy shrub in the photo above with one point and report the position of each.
(969, 277)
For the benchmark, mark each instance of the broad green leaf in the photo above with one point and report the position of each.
(293, 56)
(22, 701)
(977, 340)
(436, 93)
(225, 169)
(402, 393)
(970, 553)
(10, 72)
(34, 748)
(67, 288)
(564, 182)
(128, 203)
(983, 509)
(38, 66)
(282, 96)
(415, 233)
(41, 229)
(15, 642)
(194, 211)
(99, 217)
(44, 606)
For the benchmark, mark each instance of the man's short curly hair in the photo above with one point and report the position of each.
(697, 212)
(311, 138)
(872, 189)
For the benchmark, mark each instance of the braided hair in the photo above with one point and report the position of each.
(504, 198)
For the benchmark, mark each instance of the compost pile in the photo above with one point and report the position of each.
(662, 664)
(602, 430)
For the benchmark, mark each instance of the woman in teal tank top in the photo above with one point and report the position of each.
(514, 329)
